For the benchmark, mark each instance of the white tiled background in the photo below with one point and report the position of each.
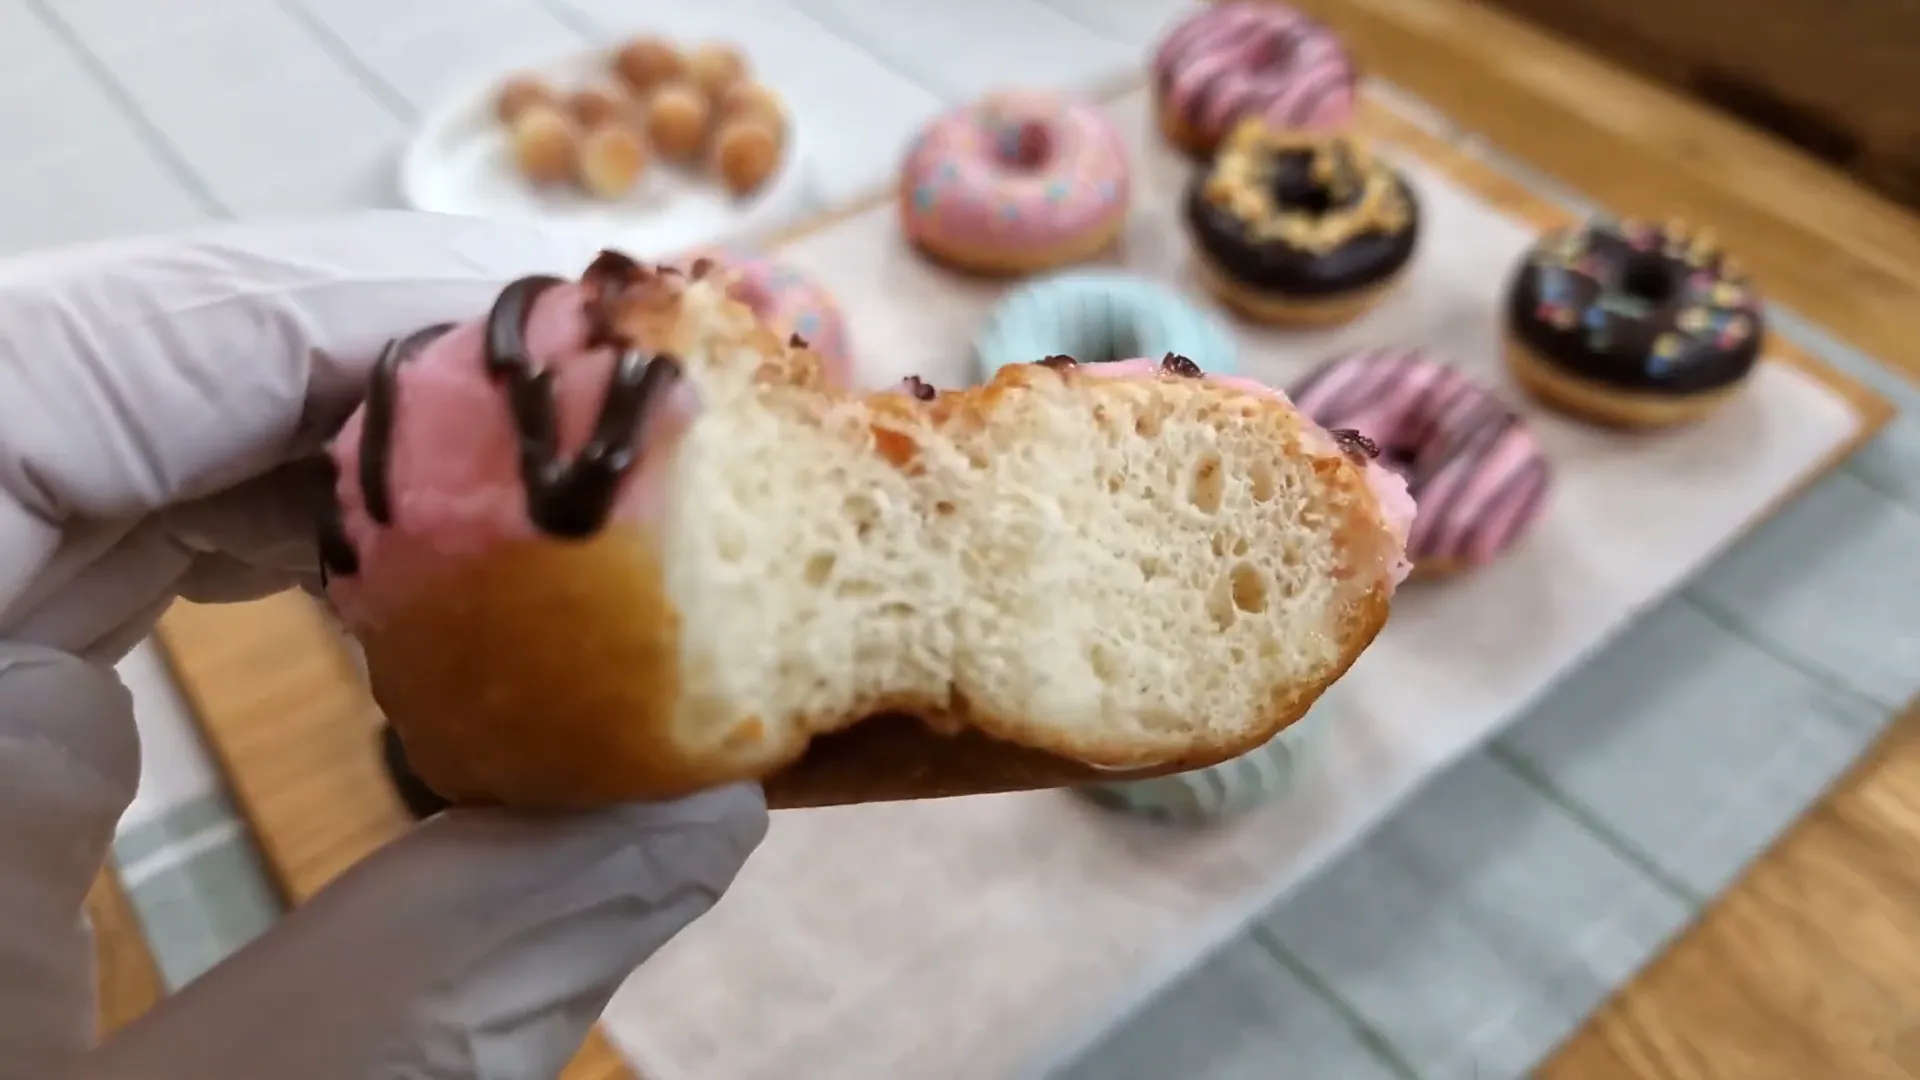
(1463, 941)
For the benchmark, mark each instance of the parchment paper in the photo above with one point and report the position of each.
(983, 937)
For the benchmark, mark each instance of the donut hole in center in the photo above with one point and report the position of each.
(1402, 444)
(1295, 187)
(1272, 51)
(1105, 343)
(1399, 457)
(1647, 278)
(1023, 145)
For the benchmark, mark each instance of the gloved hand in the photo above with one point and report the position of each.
(156, 398)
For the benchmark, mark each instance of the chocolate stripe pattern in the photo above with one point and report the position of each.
(1475, 471)
(1235, 60)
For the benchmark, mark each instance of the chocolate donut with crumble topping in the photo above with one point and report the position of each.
(1632, 324)
(1298, 228)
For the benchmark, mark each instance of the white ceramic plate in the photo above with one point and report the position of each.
(459, 162)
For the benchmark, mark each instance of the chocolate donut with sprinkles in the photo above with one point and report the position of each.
(1247, 58)
(1294, 228)
(1478, 477)
(1632, 324)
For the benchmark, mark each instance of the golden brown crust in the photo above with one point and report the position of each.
(574, 715)
(545, 675)
(990, 261)
(1277, 310)
(1553, 385)
(1179, 133)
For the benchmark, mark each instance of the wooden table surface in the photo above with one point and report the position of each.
(1806, 969)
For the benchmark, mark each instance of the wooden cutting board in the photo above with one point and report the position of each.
(127, 981)
(294, 733)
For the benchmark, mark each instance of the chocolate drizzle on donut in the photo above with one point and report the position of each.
(1059, 362)
(337, 557)
(564, 499)
(921, 389)
(602, 281)
(568, 499)
(1358, 448)
(376, 430)
(1175, 364)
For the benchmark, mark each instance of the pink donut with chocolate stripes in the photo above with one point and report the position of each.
(1250, 58)
(1475, 470)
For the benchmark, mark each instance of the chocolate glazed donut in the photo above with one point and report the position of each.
(1632, 324)
(1293, 227)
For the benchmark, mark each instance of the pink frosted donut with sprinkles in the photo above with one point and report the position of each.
(1250, 58)
(1474, 468)
(1018, 182)
(789, 302)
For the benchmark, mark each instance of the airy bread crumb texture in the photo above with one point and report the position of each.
(1116, 570)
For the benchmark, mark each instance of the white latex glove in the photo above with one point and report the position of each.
(152, 394)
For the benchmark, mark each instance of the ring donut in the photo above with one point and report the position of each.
(1232, 787)
(789, 302)
(1230, 61)
(1293, 228)
(1018, 182)
(1474, 468)
(1097, 316)
(1632, 324)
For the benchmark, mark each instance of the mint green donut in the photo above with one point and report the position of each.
(1231, 787)
(1096, 316)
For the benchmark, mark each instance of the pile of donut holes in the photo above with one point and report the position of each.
(699, 109)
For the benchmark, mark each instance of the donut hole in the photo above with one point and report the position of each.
(1023, 145)
(1648, 278)
(1297, 188)
(1273, 50)
(1104, 343)
(1399, 457)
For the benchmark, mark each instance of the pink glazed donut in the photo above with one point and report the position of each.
(788, 302)
(1476, 473)
(1249, 58)
(1018, 182)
